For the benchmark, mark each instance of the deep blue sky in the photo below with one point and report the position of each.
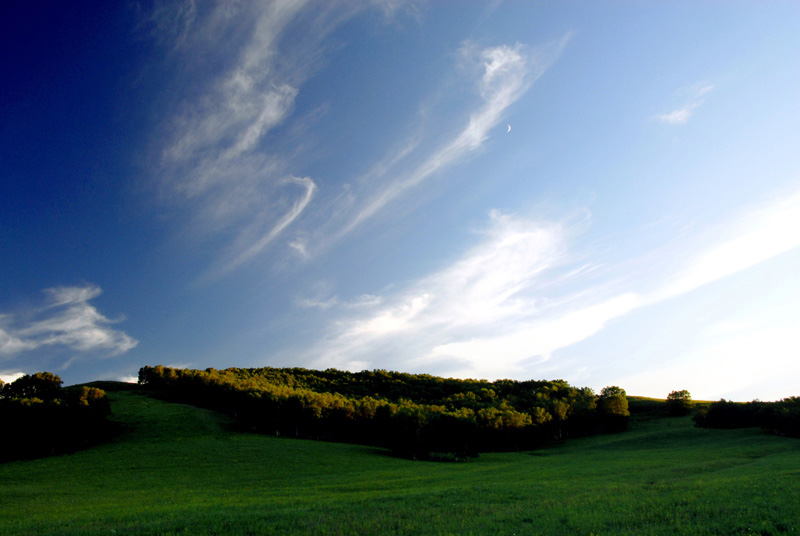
(604, 192)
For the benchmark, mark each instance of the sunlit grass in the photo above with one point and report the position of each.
(177, 469)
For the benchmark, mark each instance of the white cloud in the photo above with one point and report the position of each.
(694, 98)
(390, 321)
(390, 8)
(10, 344)
(9, 377)
(744, 346)
(365, 300)
(239, 81)
(678, 116)
(170, 21)
(324, 300)
(317, 303)
(755, 360)
(214, 156)
(67, 320)
(499, 356)
(255, 245)
(505, 73)
(496, 287)
(126, 379)
(513, 300)
(69, 295)
(760, 234)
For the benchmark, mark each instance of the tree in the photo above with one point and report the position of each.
(90, 399)
(559, 410)
(612, 390)
(679, 402)
(40, 418)
(42, 385)
(612, 407)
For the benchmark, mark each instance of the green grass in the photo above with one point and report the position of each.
(176, 469)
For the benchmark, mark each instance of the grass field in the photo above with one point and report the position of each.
(177, 469)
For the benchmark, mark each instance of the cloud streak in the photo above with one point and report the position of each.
(256, 245)
(225, 154)
(67, 320)
(759, 235)
(685, 111)
(219, 155)
(490, 289)
(516, 298)
(505, 73)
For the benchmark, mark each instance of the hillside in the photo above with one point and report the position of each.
(417, 416)
(178, 469)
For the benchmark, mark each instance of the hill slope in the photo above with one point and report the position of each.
(177, 469)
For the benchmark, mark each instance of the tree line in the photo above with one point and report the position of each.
(41, 418)
(416, 415)
(781, 417)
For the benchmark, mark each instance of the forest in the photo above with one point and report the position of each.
(41, 418)
(415, 415)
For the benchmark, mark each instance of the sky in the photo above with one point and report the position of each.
(602, 192)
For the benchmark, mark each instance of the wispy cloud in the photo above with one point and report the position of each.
(692, 98)
(758, 235)
(502, 75)
(494, 288)
(168, 22)
(218, 155)
(10, 342)
(226, 154)
(535, 338)
(714, 365)
(520, 295)
(251, 244)
(66, 320)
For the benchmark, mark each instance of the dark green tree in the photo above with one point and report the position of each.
(42, 385)
(40, 418)
(612, 390)
(91, 400)
(612, 408)
(679, 402)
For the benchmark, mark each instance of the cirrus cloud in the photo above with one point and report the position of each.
(495, 287)
(502, 75)
(225, 149)
(693, 97)
(512, 301)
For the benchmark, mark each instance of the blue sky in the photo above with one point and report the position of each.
(604, 192)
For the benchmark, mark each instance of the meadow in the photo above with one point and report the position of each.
(177, 469)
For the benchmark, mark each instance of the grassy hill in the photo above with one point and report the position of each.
(177, 469)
